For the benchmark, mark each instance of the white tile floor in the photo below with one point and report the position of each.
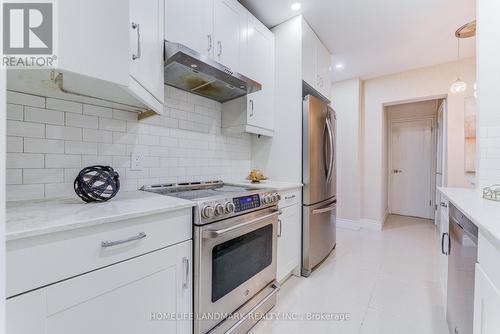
(388, 282)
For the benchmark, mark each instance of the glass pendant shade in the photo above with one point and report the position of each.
(458, 87)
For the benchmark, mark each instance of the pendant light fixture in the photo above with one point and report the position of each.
(465, 31)
(458, 86)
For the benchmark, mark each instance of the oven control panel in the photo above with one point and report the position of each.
(246, 203)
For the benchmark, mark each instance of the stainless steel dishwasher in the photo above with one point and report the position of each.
(462, 258)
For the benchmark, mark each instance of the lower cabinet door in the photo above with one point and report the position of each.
(289, 241)
(149, 294)
(486, 304)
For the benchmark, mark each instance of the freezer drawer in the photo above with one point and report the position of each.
(318, 233)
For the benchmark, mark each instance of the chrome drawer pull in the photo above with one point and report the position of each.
(290, 197)
(106, 244)
(324, 210)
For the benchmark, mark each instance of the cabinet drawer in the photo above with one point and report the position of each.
(39, 261)
(488, 257)
(290, 197)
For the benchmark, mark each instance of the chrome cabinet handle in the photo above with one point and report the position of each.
(444, 205)
(137, 28)
(212, 234)
(185, 282)
(106, 244)
(442, 243)
(397, 171)
(324, 210)
(280, 228)
(219, 43)
(209, 36)
(251, 108)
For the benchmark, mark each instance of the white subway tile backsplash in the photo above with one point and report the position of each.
(97, 111)
(24, 160)
(38, 115)
(97, 136)
(82, 121)
(112, 124)
(78, 147)
(25, 192)
(62, 161)
(184, 144)
(14, 176)
(25, 99)
(63, 105)
(25, 129)
(15, 112)
(14, 144)
(34, 145)
(63, 132)
(38, 176)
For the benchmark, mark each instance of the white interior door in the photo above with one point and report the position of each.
(411, 168)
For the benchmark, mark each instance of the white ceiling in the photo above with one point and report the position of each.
(378, 37)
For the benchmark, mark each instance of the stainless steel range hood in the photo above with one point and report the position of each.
(191, 71)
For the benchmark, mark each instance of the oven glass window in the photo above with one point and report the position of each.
(237, 260)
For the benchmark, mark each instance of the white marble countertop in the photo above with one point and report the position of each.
(484, 213)
(267, 184)
(39, 217)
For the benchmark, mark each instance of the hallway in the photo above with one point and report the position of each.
(383, 282)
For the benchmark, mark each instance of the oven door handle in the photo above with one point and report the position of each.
(212, 234)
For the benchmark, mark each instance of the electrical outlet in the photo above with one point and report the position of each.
(136, 162)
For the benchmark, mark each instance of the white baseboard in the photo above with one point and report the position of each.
(348, 224)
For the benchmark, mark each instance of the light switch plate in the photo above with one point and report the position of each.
(136, 161)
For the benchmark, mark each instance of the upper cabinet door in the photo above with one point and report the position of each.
(189, 22)
(324, 70)
(309, 55)
(260, 67)
(229, 33)
(146, 45)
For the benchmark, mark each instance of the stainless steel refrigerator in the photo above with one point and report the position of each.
(319, 179)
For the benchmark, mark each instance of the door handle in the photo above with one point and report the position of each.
(185, 283)
(442, 243)
(209, 37)
(212, 234)
(324, 210)
(330, 137)
(137, 28)
(219, 43)
(106, 244)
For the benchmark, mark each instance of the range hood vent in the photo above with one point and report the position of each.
(191, 71)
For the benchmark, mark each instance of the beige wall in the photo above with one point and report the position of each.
(346, 100)
(488, 80)
(420, 84)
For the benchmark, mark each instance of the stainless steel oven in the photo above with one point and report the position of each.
(235, 269)
(235, 236)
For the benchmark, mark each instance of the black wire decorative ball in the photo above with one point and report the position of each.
(97, 184)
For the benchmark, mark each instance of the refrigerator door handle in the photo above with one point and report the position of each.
(330, 137)
(326, 209)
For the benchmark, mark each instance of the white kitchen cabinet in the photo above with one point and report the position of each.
(309, 55)
(94, 49)
(129, 297)
(146, 45)
(254, 113)
(230, 23)
(316, 62)
(289, 235)
(486, 304)
(190, 22)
